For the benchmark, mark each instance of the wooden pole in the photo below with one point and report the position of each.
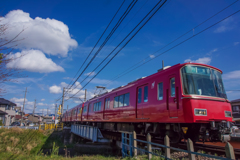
(229, 151)
(23, 106)
(149, 146)
(190, 148)
(134, 144)
(63, 100)
(167, 150)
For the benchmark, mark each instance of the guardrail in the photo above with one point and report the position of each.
(51, 126)
(22, 127)
(132, 140)
(43, 127)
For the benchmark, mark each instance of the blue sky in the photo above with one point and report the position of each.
(58, 36)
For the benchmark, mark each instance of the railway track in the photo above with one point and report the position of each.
(209, 149)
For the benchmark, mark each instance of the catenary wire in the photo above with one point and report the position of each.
(108, 37)
(124, 44)
(119, 75)
(97, 42)
(126, 37)
(166, 50)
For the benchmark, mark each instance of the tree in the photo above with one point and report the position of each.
(7, 44)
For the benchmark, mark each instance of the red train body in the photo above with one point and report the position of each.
(183, 101)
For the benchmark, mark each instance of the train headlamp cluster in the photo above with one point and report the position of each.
(228, 114)
(200, 112)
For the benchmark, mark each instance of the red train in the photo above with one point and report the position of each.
(183, 101)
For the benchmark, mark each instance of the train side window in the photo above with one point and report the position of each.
(116, 102)
(172, 85)
(106, 103)
(99, 106)
(120, 100)
(160, 91)
(126, 99)
(145, 93)
(139, 95)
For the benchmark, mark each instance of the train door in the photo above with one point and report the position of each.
(173, 97)
(106, 107)
(142, 100)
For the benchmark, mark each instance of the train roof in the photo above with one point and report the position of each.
(160, 71)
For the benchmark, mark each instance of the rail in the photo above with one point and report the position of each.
(131, 146)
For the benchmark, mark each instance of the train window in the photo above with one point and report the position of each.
(145, 93)
(89, 108)
(139, 95)
(160, 91)
(99, 106)
(126, 99)
(120, 101)
(85, 109)
(107, 103)
(172, 85)
(116, 102)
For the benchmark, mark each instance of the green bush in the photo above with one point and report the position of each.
(1, 124)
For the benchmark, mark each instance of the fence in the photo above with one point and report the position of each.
(43, 127)
(51, 126)
(132, 140)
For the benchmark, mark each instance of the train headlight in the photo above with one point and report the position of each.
(228, 114)
(200, 112)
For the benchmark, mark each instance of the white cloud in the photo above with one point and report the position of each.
(17, 100)
(99, 81)
(204, 60)
(225, 25)
(48, 35)
(55, 89)
(33, 61)
(212, 51)
(25, 80)
(236, 43)
(42, 100)
(90, 74)
(232, 75)
(151, 56)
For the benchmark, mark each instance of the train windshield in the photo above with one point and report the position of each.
(205, 81)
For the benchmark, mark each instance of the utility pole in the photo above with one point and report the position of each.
(85, 98)
(34, 107)
(55, 113)
(63, 100)
(23, 106)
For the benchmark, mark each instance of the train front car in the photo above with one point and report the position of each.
(205, 103)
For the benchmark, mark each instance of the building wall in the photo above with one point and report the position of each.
(236, 109)
(34, 119)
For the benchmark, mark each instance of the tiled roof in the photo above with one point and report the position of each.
(236, 100)
(1, 112)
(4, 101)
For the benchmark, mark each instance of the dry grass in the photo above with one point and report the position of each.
(8, 149)
(16, 130)
(4, 132)
(29, 147)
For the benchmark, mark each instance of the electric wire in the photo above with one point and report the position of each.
(166, 50)
(97, 42)
(126, 37)
(109, 36)
(127, 41)
(119, 75)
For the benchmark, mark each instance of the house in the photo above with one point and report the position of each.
(2, 116)
(34, 118)
(8, 107)
(236, 109)
(47, 119)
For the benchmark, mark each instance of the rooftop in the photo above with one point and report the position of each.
(7, 102)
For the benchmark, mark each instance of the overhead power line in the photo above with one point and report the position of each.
(166, 50)
(108, 37)
(128, 40)
(97, 42)
(123, 73)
